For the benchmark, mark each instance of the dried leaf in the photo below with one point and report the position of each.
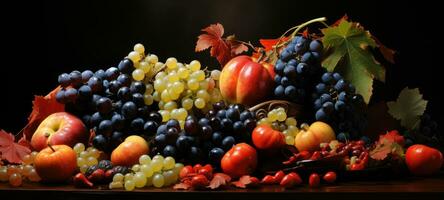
(389, 143)
(222, 48)
(42, 107)
(408, 108)
(345, 17)
(246, 181)
(182, 186)
(11, 151)
(219, 180)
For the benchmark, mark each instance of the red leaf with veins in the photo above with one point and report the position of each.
(222, 48)
(11, 151)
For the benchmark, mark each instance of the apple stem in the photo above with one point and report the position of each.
(305, 126)
(50, 146)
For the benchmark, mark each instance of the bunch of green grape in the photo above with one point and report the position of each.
(157, 172)
(181, 87)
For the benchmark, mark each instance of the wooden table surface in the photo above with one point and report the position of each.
(406, 188)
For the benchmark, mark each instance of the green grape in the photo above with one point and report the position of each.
(139, 180)
(160, 75)
(157, 165)
(172, 77)
(128, 176)
(215, 74)
(130, 185)
(281, 116)
(171, 63)
(178, 87)
(145, 67)
(168, 163)
(139, 48)
(203, 94)
(90, 161)
(79, 147)
(149, 181)
(291, 121)
(203, 85)
(156, 96)
(187, 103)
(168, 177)
(148, 99)
(149, 89)
(199, 103)
(177, 168)
(165, 115)
(81, 161)
(165, 96)
(272, 115)
(138, 74)
(289, 140)
(183, 73)
(147, 170)
(198, 75)
(134, 56)
(115, 185)
(170, 105)
(182, 114)
(158, 180)
(159, 85)
(194, 65)
(118, 177)
(144, 160)
(135, 168)
(193, 84)
(152, 59)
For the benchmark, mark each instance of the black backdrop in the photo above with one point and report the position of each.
(42, 39)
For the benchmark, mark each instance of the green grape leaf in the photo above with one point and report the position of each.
(408, 108)
(348, 52)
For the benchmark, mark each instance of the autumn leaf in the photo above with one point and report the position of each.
(11, 151)
(246, 181)
(222, 48)
(219, 180)
(269, 44)
(348, 52)
(389, 143)
(408, 108)
(42, 107)
(182, 186)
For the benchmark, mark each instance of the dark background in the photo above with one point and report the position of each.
(42, 39)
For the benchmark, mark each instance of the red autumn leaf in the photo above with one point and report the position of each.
(42, 108)
(392, 136)
(269, 44)
(219, 179)
(222, 48)
(246, 181)
(11, 151)
(24, 142)
(182, 186)
(389, 143)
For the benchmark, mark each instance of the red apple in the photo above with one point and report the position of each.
(246, 81)
(129, 151)
(56, 163)
(59, 128)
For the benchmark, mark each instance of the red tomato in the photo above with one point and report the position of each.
(239, 160)
(264, 137)
(329, 177)
(423, 160)
(245, 81)
(314, 180)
